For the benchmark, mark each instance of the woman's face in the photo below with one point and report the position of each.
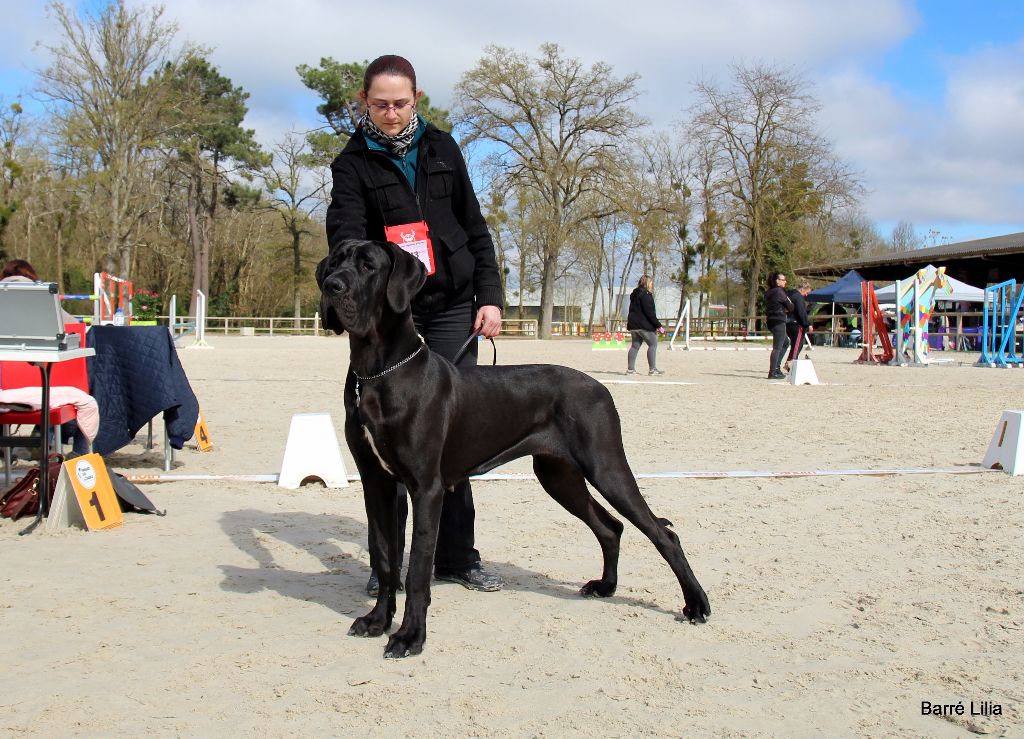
(391, 102)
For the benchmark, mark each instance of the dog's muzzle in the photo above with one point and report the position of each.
(334, 286)
(336, 302)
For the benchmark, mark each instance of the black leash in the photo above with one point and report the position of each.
(465, 347)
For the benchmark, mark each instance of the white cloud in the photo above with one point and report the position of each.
(985, 103)
(668, 43)
(953, 161)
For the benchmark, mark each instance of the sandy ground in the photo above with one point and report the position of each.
(839, 603)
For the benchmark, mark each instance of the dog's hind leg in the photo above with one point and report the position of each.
(616, 483)
(564, 482)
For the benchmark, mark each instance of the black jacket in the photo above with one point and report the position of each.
(799, 314)
(777, 305)
(641, 312)
(370, 192)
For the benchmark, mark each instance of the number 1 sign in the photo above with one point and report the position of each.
(84, 496)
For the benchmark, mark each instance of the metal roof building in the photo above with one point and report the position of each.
(978, 262)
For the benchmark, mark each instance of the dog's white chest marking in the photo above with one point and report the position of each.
(373, 446)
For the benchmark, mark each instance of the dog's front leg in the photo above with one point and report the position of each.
(426, 518)
(380, 494)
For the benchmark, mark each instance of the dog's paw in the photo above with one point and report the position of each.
(697, 609)
(598, 589)
(368, 626)
(404, 644)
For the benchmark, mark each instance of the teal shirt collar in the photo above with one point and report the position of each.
(407, 163)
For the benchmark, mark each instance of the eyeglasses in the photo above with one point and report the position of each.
(397, 107)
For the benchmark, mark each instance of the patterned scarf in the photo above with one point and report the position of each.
(399, 144)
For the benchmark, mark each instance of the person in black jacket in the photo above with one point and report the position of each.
(403, 180)
(642, 322)
(777, 307)
(798, 325)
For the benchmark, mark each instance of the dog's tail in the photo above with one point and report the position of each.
(665, 522)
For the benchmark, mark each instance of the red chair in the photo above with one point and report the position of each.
(22, 374)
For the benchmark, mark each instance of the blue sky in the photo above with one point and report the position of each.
(925, 99)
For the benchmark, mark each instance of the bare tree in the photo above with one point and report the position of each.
(108, 103)
(294, 201)
(762, 130)
(904, 238)
(559, 125)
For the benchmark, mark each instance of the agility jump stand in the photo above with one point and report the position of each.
(112, 293)
(682, 322)
(873, 322)
(915, 300)
(198, 326)
(999, 325)
(200, 342)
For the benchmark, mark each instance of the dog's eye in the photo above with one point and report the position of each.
(365, 267)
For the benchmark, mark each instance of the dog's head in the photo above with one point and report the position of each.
(361, 280)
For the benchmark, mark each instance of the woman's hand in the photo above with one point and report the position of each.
(488, 320)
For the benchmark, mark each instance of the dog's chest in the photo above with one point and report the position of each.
(376, 446)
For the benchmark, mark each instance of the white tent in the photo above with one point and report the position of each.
(957, 292)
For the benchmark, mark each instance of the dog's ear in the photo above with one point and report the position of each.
(328, 316)
(405, 279)
(322, 270)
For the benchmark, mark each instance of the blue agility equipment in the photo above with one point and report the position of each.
(999, 325)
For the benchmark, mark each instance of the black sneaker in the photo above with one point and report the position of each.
(373, 585)
(777, 375)
(474, 577)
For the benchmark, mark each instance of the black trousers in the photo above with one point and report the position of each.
(778, 344)
(795, 332)
(445, 332)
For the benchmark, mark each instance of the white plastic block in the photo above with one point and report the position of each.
(1005, 448)
(312, 451)
(801, 372)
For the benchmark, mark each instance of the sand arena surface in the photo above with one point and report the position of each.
(839, 603)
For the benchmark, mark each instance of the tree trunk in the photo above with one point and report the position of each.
(522, 279)
(59, 246)
(200, 248)
(547, 296)
(754, 277)
(593, 304)
(297, 273)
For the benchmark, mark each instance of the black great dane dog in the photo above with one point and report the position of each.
(412, 417)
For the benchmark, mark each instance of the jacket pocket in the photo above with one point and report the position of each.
(453, 238)
(387, 191)
(441, 178)
(440, 185)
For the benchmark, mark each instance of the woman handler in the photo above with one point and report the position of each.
(401, 179)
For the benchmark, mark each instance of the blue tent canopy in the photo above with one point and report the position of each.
(844, 290)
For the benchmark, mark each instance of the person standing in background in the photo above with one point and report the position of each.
(644, 326)
(798, 324)
(777, 307)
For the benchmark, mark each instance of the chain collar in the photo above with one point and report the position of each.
(390, 369)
